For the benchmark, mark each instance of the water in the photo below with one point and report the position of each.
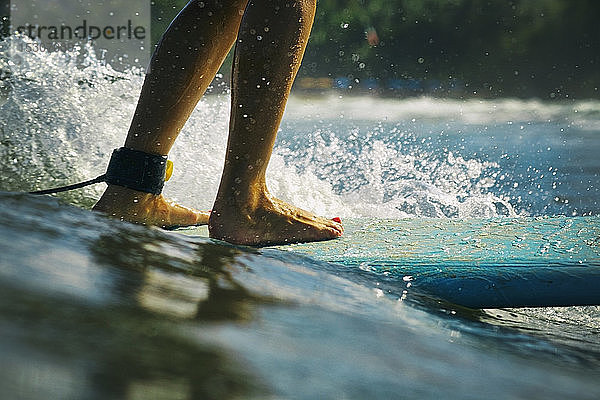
(95, 308)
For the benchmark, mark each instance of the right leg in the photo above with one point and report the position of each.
(183, 65)
(270, 46)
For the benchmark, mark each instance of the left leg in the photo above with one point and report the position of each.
(183, 65)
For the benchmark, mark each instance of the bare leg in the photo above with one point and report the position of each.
(185, 62)
(269, 49)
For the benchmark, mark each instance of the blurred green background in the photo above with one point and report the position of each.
(525, 48)
(542, 48)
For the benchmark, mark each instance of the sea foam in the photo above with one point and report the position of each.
(63, 113)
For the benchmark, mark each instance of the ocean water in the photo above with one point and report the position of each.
(97, 308)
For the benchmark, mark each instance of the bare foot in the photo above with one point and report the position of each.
(147, 209)
(269, 221)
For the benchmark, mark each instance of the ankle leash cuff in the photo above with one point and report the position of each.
(137, 170)
(132, 169)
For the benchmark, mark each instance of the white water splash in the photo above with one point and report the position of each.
(62, 114)
(61, 119)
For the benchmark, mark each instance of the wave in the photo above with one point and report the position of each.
(583, 114)
(63, 113)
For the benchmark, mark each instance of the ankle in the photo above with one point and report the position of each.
(126, 192)
(245, 198)
(116, 196)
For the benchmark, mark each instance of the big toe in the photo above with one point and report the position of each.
(184, 216)
(333, 225)
(337, 230)
(338, 227)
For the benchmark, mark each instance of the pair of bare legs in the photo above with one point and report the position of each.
(270, 38)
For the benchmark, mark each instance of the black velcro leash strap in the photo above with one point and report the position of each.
(79, 185)
(132, 169)
(137, 170)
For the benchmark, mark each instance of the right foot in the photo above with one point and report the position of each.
(147, 209)
(269, 222)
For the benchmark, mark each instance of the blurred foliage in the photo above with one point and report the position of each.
(544, 48)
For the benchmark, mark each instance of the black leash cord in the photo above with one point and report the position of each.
(133, 169)
(99, 179)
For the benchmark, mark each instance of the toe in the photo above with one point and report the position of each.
(337, 231)
(183, 216)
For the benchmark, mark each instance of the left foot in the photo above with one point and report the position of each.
(147, 209)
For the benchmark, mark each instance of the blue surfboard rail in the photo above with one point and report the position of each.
(509, 286)
(476, 263)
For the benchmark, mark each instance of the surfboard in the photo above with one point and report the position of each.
(475, 263)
